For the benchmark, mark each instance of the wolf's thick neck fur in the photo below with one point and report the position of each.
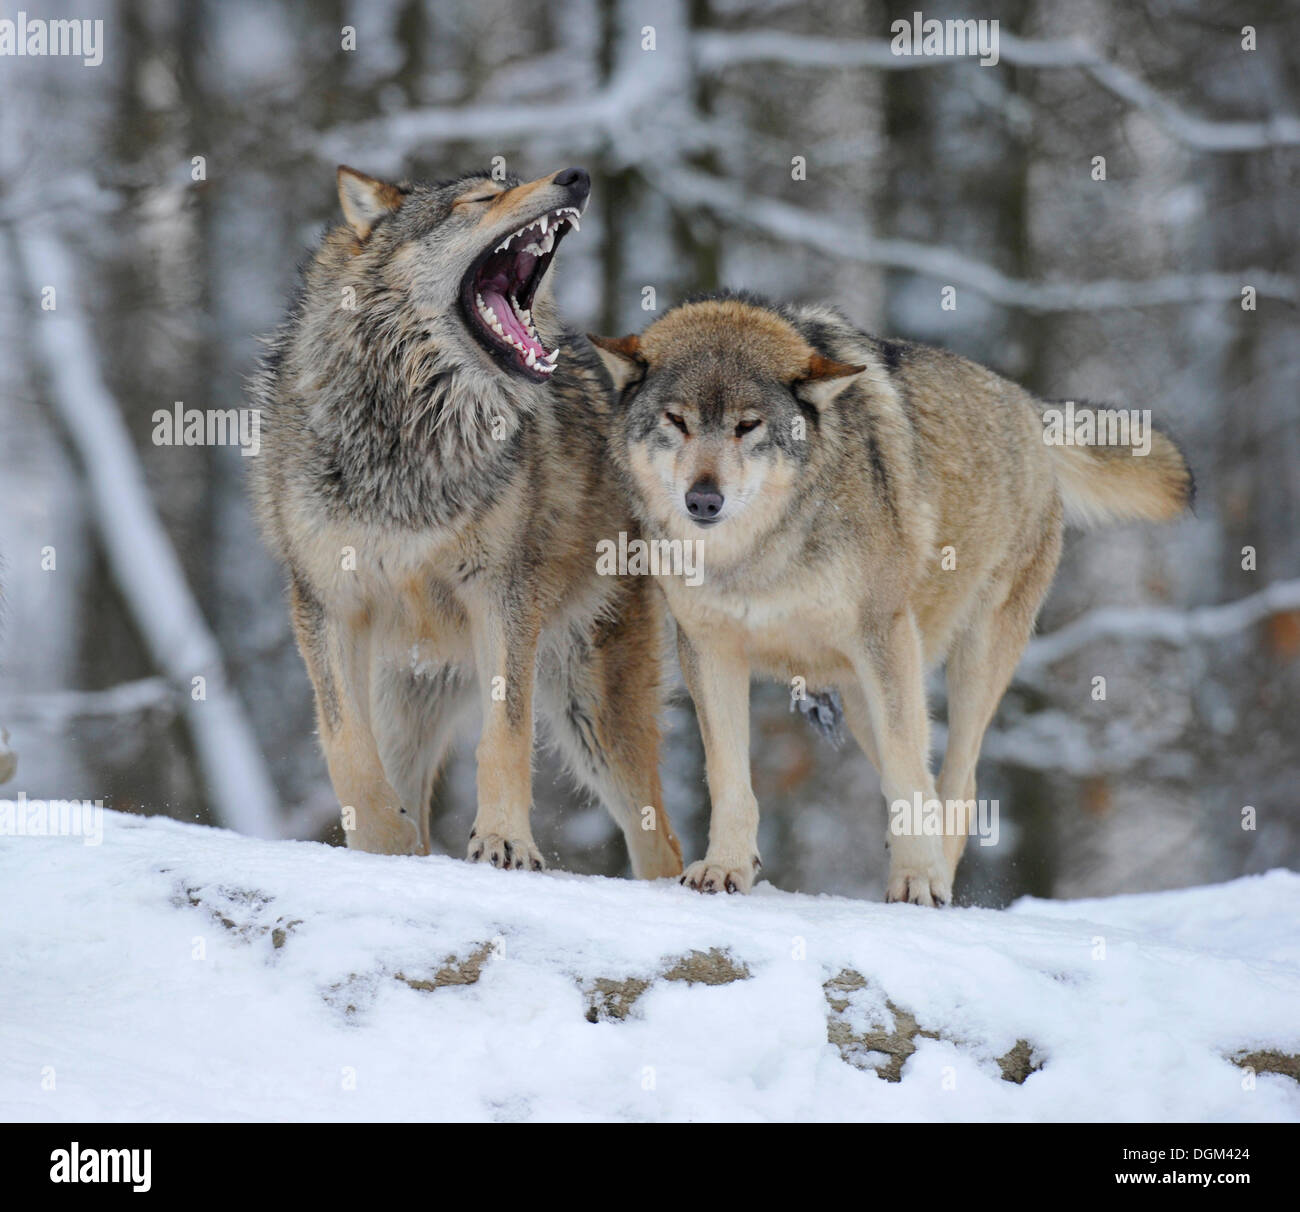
(404, 421)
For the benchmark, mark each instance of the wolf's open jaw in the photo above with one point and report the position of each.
(499, 289)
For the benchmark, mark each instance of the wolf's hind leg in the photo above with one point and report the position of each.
(981, 662)
(417, 717)
(601, 702)
(858, 719)
(338, 663)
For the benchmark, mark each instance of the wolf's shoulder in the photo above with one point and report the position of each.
(829, 331)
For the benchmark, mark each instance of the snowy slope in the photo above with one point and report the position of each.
(175, 972)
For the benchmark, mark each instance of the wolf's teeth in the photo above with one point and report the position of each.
(531, 360)
(542, 223)
(549, 242)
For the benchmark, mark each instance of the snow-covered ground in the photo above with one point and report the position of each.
(176, 972)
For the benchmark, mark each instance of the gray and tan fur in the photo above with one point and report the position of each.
(437, 506)
(824, 472)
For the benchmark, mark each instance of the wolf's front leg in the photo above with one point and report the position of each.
(717, 676)
(505, 652)
(892, 669)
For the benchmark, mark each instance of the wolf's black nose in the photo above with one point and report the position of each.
(704, 500)
(575, 180)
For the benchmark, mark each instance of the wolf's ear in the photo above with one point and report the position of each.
(622, 358)
(365, 200)
(824, 379)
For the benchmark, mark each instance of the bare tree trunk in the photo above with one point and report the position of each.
(142, 560)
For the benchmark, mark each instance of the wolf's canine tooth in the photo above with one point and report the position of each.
(536, 239)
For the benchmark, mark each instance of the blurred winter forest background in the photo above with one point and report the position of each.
(921, 174)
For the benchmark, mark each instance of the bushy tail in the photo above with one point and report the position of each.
(1104, 483)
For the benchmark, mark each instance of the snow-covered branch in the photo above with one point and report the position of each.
(1167, 625)
(583, 122)
(141, 558)
(637, 116)
(640, 84)
(1055, 742)
(833, 237)
(716, 51)
(124, 699)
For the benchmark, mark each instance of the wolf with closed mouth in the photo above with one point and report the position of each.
(432, 476)
(867, 510)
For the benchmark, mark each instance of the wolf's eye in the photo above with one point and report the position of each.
(476, 198)
(748, 426)
(678, 421)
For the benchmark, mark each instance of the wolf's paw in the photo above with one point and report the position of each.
(920, 885)
(711, 876)
(519, 854)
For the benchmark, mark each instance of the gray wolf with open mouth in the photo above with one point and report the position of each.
(867, 510)
(433, 477)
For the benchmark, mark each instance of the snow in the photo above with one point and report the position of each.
(127, 997)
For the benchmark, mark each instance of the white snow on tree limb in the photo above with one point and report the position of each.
(1167, 625)
(833, 237)
(716, 51)
(639, 117)
(63, 706)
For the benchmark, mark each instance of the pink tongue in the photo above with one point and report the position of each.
(506, 317)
